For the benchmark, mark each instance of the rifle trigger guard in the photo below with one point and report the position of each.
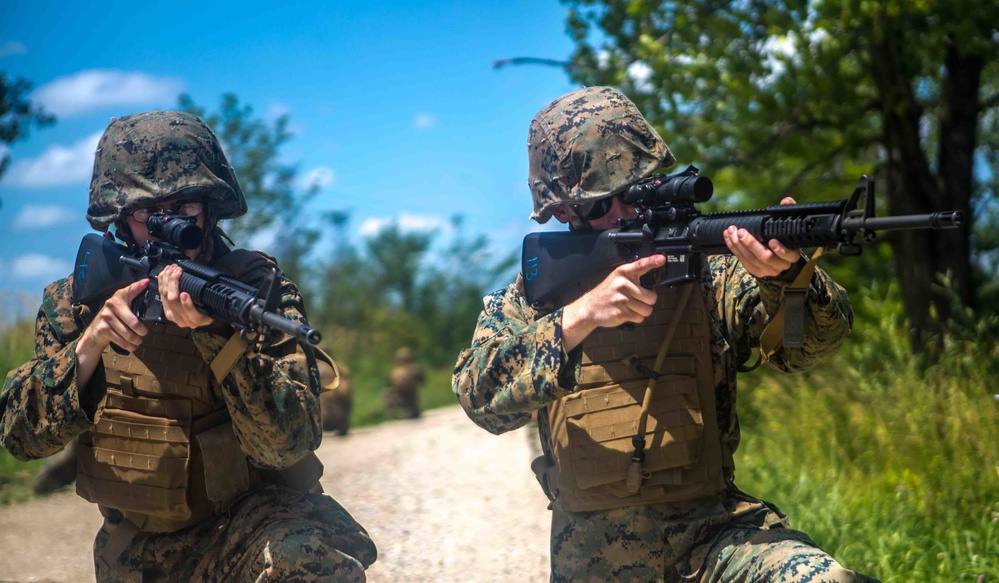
(651, 279)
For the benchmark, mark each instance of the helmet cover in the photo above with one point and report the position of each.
(159, 156)
(589, 144)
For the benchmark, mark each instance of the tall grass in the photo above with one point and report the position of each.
(889, 462)
(16, 347)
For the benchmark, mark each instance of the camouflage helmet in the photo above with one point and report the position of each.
(587, 145)
(157, 156)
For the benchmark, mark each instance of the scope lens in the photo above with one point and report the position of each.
(176, 230)
(692, 188)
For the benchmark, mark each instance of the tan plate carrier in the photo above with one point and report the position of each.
(160, 427)
(665, 364)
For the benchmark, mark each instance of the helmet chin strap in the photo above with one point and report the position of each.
(576, 221)
(123, 233)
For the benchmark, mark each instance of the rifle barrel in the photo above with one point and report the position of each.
(299, 332)
(937, 220)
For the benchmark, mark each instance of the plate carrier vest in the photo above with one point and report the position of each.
(591, 430)
(163, 422)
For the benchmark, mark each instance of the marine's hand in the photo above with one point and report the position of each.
(619, 298)
(115, 322)
(178, 307)
(759, 259)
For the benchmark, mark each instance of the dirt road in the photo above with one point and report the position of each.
(443, 500)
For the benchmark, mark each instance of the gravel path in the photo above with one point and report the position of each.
(443, 500)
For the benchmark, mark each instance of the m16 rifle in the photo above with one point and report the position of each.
(559, 267)
(103, 266)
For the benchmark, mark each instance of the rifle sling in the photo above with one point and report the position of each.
(635, 475)
(237, 263)
(787, 327)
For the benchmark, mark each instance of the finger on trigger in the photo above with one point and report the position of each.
(135, 288)
(646, 264)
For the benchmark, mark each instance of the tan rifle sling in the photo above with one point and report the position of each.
(786, 328)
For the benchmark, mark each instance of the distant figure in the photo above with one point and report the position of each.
(58, 472)
(404, 384)
(336, 404)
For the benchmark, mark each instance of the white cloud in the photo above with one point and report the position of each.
(277, 109)
(603, 60)
(57, 165)
(39, 216)
(405, 222)
(319, 177)
(12, 47)
(88, 90)
(39, 266)
(641, 75)
(424, 121)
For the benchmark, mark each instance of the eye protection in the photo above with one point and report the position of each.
(184, 209)
(598, 208)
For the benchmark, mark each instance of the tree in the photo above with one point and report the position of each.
(796, 90)
(17, 114)
(253, 148)
(398, 292)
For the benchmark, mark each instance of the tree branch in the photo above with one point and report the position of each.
(531, 61)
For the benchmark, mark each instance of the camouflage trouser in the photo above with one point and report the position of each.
(270, 534)
(727, 539)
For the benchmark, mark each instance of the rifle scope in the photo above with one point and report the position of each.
(175, 230)
(683, 187)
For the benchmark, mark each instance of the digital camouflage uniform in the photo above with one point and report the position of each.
(402, 394)
(274, 530)
(517, 366)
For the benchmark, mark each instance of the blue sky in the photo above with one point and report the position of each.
(395, 106)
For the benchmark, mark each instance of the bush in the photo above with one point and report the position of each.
(888, 461)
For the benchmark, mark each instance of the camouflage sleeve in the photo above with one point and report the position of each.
(516, 363)
(747, 303)
(41, 406)
(272, 395)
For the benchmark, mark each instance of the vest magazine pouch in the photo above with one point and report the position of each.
(600, 424)
(140, 457)
(592, 429)
(136, 463)
(226, 471)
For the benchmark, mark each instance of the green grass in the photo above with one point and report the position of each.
(891, 464)
(370, 382)
(16, 347)
(15, 478)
